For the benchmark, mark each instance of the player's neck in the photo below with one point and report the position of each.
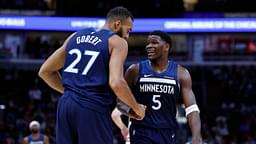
(159, 65)
(107, 26)
(35, 135)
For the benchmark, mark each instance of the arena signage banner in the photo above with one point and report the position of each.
(141, 25)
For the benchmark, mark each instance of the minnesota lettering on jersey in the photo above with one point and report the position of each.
(88, 39)
(159, 85)
(159, 88)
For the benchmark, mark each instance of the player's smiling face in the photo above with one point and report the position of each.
(155, 47)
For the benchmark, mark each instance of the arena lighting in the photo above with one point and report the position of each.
(140, 25)
(2, 107)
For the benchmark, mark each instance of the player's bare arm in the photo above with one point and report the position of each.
(116, 117)
(192, 111)
(49, 71)
(46, 140)
(131, 76)
(118, 52)
(25, 140)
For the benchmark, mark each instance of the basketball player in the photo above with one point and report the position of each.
(92, 63)
(36, 137)
(157, 83)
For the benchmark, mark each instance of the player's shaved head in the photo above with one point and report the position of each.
(119, 13)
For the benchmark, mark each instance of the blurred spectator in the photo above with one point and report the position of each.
(151, 8)
(189, 5)
(36, 136)
(35, 94)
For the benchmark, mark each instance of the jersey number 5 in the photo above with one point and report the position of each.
(72, 67)
(156, 100)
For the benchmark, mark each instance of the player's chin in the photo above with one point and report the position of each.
(151, 57)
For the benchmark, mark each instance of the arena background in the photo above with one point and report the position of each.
(220, 54)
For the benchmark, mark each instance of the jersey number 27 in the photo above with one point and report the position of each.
(72, 67)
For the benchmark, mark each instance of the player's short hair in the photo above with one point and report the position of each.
(119, 12)
(163, 35)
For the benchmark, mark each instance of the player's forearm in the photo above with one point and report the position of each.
(123, 93)
(195, 126)
(53, 79)
(118, 122)
(25, 141)
(116, 117)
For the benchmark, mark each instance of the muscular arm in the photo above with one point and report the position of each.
(118, 52)
(189, 99)
(49, 70)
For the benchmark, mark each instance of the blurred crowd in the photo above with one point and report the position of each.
(23, 99)
(226, 93)
(235, 47)
(27, 47)
(151, 8)
(24, 4)
(226, 96)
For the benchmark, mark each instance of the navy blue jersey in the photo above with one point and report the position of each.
(39, 140)
(159, 92)
(86, 68)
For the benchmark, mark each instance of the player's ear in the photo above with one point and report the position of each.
(167, 46)
(117, 24)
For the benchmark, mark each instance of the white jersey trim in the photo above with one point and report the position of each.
(159, 80)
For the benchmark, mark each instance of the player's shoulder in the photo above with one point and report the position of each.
(134, 67)
(183, 73)
(181, 68)
(25, 139)
(116, 42)
(115, 39)
(132, 71)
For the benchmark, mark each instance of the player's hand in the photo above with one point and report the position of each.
(138, 113)
(133, 115)
(124, 132)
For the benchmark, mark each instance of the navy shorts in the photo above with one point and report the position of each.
(144, 135)
(80, 125)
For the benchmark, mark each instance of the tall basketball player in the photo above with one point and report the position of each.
(92, 63)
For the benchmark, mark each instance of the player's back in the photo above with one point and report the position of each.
(159, 92)
(86, 68)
